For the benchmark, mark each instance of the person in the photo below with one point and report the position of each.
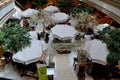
(89, 34)
(89, 67)
(81, 73)
(8, 56)
(46, 37)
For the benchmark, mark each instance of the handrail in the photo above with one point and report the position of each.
(17, 3)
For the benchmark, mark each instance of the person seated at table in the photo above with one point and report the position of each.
(47, 37)
(89, 34)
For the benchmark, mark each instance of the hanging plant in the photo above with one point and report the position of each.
(14, 37)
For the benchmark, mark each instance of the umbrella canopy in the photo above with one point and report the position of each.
(51, 9)
(100, 27)
(29, 54)
(29, 12)
(60, 17)
(63, 31)
(97, 50)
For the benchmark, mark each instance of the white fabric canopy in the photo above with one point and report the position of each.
(51, 9)
(60, 17)
(97, 50)
(100, 27)
(28, 12)
(63, 31)
(29, 54)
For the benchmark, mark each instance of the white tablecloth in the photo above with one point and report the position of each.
(28, 12)
(97, 50)
(29, 54)
(51, 9)
(100, 27)
(60, 17)
(63, 32)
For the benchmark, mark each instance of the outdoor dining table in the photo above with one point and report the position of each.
(100, 27)
(28, 12)
(97, 50)
(63, 32)
(51, 9)
(60, 17)
(29, 54)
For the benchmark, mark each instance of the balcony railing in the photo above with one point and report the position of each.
(115, 3)
(6, 10)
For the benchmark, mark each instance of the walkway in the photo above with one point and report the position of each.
(64, 70)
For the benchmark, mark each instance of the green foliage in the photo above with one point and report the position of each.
(64, 3)
(112, 58)
(37, 3)
(113, 43)
(75, 59)
(14, 37)
(103, 34)
(81, 8)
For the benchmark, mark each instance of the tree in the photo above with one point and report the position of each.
(14, 37)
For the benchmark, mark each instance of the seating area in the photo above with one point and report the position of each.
(53, 41)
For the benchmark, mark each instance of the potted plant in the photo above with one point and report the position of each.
(14, 37)
(83, 20)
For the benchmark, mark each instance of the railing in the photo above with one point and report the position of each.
(115, 3)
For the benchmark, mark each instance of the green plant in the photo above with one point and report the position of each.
(37, 3)
(81, 8)
(14, 37)
(113, 43)
(75, 59)
(113, 58)
(83, 21)
(65, 5)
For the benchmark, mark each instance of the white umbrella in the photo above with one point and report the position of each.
(97, 50)
(63, 31)
(29, 54)
(51, 9)
(60, 17)
(100, 27)
(29, 12)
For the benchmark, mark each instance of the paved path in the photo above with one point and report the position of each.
(64, 70)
